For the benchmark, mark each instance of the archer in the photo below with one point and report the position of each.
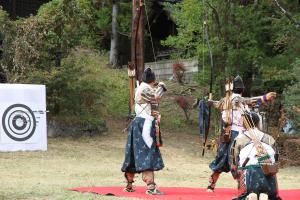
(232, 124)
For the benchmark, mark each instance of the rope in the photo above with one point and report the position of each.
(152, 45)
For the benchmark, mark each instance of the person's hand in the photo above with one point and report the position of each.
(210, 103)
(157, 98)
(270, 96)
(163, 85)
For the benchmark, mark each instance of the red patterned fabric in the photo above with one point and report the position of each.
(242, 189)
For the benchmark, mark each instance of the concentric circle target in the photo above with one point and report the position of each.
(18, 122)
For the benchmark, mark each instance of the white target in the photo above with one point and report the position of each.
(19, 122)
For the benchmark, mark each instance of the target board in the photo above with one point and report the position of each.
(23, 117)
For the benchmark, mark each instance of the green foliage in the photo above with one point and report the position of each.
(40, 41)
(103, 21)
(3, 21)
(7, 32)
(125, 17)
(83, 91)
(71, 23)
(178, 122)
(255, 41)
(291, 94)
(72, 90)
(188, 17)
(60, 25)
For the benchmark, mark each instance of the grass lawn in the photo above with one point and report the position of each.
(96, 161)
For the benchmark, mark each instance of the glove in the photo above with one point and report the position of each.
(270, 96)
(163, 85)
(161, 89)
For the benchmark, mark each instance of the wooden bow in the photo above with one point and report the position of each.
(210, 84)
(135, 67)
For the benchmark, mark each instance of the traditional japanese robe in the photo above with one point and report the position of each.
(141, 152)
(222, 161)
(251, 178)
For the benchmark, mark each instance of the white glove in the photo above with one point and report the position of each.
(163, 85)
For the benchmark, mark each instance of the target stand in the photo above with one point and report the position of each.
(23, 117)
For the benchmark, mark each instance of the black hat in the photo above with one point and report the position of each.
(3, 78)
(148, 76)
(238, 84)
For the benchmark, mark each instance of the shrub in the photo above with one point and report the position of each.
(292, 95)
(83, 91)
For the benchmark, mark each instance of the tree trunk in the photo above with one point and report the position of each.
(114, 43)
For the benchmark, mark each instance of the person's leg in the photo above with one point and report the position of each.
(148, 178)
(130, 179)
(221, 162)
(212, 181)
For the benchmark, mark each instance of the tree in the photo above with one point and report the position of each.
(248, 38)
(291, 95)
(113, 54)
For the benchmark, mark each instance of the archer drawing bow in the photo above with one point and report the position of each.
(227, 107)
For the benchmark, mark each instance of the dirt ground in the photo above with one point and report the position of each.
(96, 161)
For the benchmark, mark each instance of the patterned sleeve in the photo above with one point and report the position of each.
(258, 100)
(148, 95)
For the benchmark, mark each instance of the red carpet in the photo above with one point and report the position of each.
(179, 193)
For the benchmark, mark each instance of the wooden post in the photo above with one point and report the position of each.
(137, 38)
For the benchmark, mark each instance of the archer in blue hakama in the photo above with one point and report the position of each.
(138, 156)
(142, 154)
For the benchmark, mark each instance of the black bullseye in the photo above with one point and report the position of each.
(19, 122)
